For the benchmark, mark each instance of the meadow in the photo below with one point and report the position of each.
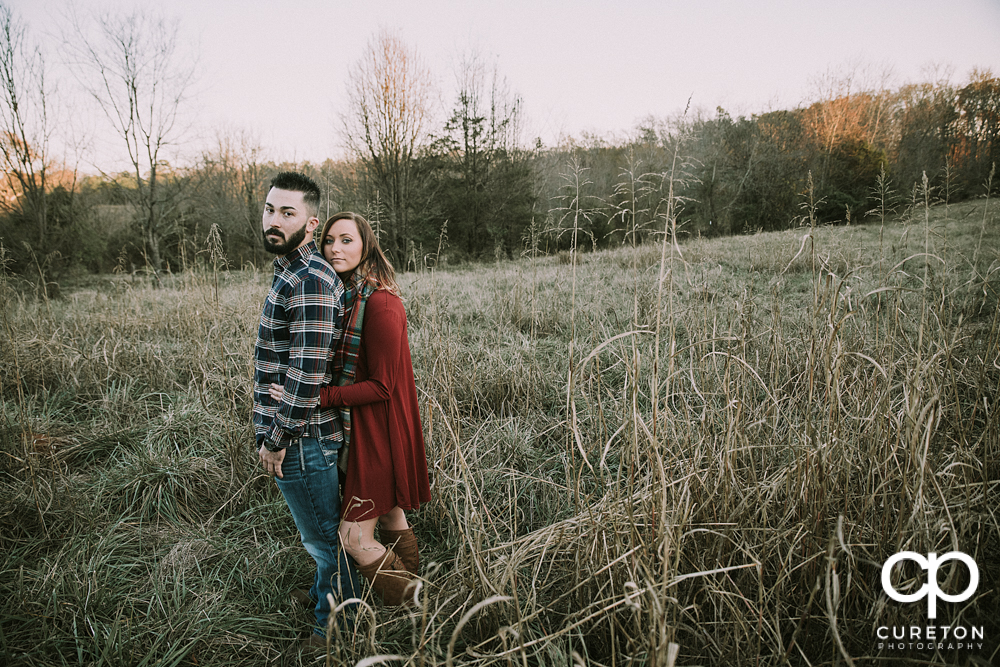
(683, 453)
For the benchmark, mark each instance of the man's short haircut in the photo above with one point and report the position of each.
(296, 182)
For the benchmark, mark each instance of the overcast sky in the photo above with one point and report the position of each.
(278, 68)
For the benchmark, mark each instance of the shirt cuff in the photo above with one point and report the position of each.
(277, 439)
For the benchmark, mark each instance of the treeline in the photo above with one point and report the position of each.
(467, 187)
(842, 156)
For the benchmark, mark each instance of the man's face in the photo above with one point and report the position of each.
(286, 223)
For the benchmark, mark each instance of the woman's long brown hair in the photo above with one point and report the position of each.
(374, 266)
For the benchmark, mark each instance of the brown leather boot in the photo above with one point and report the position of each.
(404, 543)
(389, 578)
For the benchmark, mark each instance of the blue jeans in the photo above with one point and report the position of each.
(311, 487)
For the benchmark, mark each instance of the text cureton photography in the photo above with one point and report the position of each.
(931, 637)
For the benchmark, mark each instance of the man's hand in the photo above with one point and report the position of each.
(277, 391)
(272, 461)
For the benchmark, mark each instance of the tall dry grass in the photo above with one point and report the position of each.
(678, 453)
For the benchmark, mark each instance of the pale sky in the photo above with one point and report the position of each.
(278, 68)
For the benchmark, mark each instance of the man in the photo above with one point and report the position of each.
(298, 441)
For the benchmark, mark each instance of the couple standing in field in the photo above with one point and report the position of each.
(333, 380)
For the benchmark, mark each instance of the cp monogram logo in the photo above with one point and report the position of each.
(930, 589)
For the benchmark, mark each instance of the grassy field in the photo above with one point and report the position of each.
(692, 454)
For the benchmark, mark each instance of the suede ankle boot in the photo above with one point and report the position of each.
(389, 578)
(404, 543)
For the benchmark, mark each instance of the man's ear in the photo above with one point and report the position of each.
(312, 224)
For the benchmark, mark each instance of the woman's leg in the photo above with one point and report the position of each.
(394, 519)
(358, 538)
(384, 569)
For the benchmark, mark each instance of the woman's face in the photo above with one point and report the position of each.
(342, 246)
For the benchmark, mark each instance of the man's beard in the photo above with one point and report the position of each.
(283, 247)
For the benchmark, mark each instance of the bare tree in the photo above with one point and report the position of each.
(976, 138)
(481, 143)
(26, 126)
(852, 105)
(132, 67)
(389, 94)
(231, 185)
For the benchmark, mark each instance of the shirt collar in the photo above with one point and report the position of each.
(284, 261)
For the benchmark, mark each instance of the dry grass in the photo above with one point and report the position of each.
(820, 399)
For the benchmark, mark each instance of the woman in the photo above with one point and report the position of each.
(386, 471)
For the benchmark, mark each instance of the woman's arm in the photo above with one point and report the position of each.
(383, 337)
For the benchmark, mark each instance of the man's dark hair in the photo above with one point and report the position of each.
(296, 182)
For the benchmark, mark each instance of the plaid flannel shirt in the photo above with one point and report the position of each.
(299, 329)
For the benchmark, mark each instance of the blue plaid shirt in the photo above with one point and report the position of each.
(299, 329)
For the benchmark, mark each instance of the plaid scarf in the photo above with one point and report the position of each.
(357, 289)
